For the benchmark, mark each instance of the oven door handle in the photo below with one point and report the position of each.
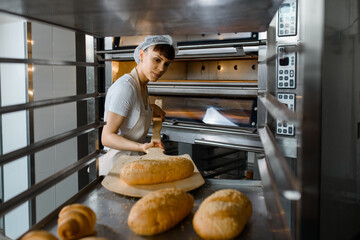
(229, 145)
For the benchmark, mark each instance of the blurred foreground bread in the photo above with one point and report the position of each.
(39, 235)
(76, 221)
(222, 215)
(156, 171)
(159, 211)
(93, 238)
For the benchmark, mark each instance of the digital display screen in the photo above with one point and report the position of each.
(284, 61)
(285, 8)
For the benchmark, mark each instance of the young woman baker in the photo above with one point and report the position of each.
(128, 113)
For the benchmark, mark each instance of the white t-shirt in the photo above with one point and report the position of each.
(122, 99)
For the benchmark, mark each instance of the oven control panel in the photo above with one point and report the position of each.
(286, 69)
(287, 129)
(287, 19)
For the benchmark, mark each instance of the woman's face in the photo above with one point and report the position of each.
(154, 65)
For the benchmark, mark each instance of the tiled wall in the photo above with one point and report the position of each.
(53, 43)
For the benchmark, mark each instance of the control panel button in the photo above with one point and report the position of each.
(286, 128)
(286, 68)
(287, 17)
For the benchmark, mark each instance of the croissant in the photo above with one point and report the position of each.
(76, 221)
(39, 235)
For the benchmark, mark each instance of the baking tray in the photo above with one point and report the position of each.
(112, 211)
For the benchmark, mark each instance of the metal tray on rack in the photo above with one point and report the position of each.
(112, 211)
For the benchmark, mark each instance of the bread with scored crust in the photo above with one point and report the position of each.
(222, 215)
(159, 211)
(156, 171)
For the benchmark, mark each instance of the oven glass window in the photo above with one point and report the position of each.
(212, 111)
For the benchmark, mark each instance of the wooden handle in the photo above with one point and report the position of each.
(157, 123)
(159, 103)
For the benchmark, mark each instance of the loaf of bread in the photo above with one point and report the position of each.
(39, 235)
(159, 211)
(222, 215)
(76, 221)
(156, 171)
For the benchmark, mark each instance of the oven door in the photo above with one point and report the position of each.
(211, 113)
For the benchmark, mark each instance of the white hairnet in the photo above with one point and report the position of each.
(150, 41)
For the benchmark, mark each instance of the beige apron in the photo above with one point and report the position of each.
(137, 133)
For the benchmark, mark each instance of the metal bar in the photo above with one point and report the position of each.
(48, 62)
(277, 220)
(219, 45)
(286, 182)
(278, 110)
(130, 49)
(228, 145)
(126, 54)
(46, 183)
(201, 127)
(48, 142)
(48, 102)
(30, 116)
(205, 83)
(183, 57)
(205, 91)
(2, 194)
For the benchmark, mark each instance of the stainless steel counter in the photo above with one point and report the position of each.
(112, 211)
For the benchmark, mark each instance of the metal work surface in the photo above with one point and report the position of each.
(127, 18)
(112, 211)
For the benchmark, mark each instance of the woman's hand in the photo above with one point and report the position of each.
(145, 146)
(158, 112)
(157, 144)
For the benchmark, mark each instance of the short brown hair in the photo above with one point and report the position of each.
(165, 50)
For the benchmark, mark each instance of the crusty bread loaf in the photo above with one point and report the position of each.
(76, 221)
(222, 215)
(159, 211)
(156, 171)
(39, 235)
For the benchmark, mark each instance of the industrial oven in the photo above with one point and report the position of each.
(264, 96)
(209, 95)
